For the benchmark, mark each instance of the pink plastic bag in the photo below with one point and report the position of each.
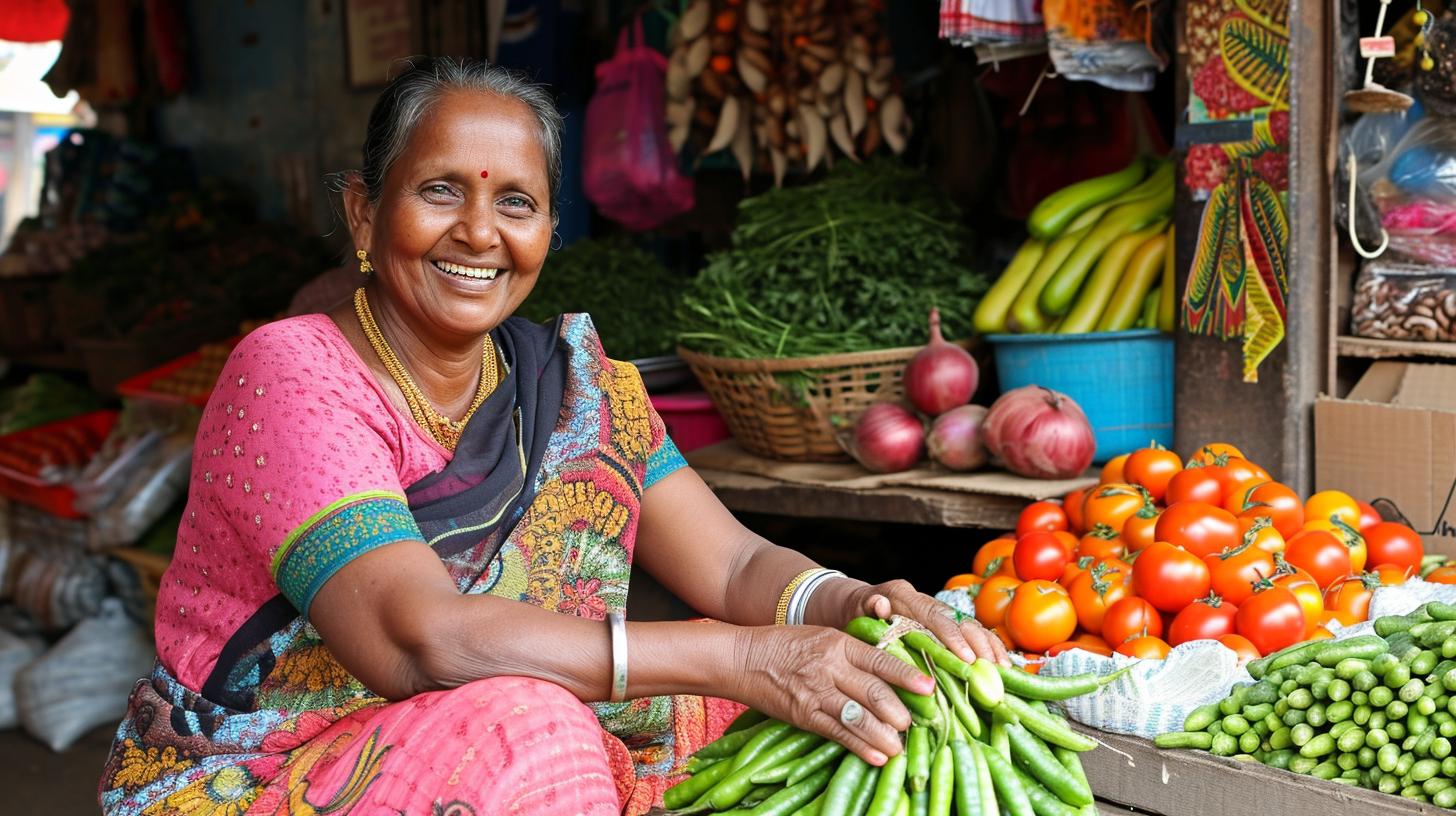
(630, 168)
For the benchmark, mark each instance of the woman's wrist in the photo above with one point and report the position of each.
(836, 602)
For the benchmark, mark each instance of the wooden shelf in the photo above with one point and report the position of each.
(1347, 346)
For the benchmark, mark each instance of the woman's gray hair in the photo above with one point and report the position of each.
(410, 96)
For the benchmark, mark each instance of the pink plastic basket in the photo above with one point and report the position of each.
(691, 419)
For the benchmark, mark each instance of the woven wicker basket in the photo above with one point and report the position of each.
(768, 420)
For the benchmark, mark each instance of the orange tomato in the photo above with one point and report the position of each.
(1069, 541)
(1093, 592)
(1101, 543)
(1347, 535)
(965, 580)
(1197, 483)
(1067, 645)
(1130, 618)
(1033, 665)
(1235, 571)
(1260, 531)
(1350, 596)
(1207, 454)
(1152, 469)
(1306, 591)
(1320, 633)
(1321, 554)
(1236, 494)
(1202, 529)
(1332, 504)
(1241, 646)
(1146, 647)
(1369, 516)
(1091, 640)
(1072, 506)
(989, 553)
(1279, 503)
(994, 597)
(1445, 574)
(1004, 635)
(1393, 574)
(1040, 615)
(1112, 471)
(1042, 515)
(1111, 504)
(1075, 567)
(1342, 618)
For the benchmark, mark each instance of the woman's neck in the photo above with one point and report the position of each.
(445, 368)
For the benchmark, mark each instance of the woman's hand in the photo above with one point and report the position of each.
(807, 675)
(964, 636)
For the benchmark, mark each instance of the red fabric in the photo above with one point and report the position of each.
(31, 21)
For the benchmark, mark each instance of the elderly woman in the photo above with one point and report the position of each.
(399, 582)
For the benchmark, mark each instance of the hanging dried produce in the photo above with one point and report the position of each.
(783, 83)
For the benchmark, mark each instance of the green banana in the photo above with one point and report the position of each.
(1130, 297)
(1097, 293)
(1057, 295)
(991, 312)
(1025, 315)
(1051, 216)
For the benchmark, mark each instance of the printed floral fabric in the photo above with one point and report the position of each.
(290, 731)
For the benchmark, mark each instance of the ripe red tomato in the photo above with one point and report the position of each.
(1148, 647)
(1390, 542)
(1101, 544)
(1369, 516)
(1241, 646)
(1271, 619)
(1235, 571)
(1093, 592)
(1170, 577)
(1068, 645)
(1039, 555)
(1305, 590)
(1205, 619)
(1152, 469)
(1130, 617)
(1200, 484)
(1320, 554)
(1279, 503)
(1350, 596)
(1072, 506)
(1040, 615)
(1199, 528)
(1042, 515)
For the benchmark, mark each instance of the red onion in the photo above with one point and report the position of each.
(955, 438)
(888, 438)
(1039, 433)
(940, 376)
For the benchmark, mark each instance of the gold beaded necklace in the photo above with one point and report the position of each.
(445, 430)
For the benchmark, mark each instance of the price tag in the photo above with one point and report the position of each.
(1377, 47)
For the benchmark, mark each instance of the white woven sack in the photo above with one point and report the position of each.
(15, 653)
(85, 679)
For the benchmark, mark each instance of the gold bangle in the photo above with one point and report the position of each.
(781, 613)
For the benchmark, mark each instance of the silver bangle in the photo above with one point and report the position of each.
(799, 601)
(617, 622)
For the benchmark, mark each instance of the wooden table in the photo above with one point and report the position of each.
(750, 493)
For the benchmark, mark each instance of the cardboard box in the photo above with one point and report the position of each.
(1392, 442)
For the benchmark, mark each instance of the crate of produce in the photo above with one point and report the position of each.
(38, 465)
(187, 379)
(788, 408)
(1122, 380)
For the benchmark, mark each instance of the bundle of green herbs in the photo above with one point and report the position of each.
(630, 296)
(851, 263)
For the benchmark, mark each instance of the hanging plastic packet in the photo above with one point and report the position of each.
(1110, 42)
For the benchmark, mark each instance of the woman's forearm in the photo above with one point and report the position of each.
(493, 636)
(755, 588)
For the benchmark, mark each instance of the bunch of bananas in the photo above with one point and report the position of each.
(1099, 258)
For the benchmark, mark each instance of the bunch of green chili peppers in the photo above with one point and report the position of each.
(983, 743)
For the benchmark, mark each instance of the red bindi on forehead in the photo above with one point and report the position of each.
(485, 174)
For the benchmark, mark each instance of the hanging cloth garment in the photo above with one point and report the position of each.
(1110, 42)
(970, 22)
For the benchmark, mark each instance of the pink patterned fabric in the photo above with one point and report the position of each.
(257, 475)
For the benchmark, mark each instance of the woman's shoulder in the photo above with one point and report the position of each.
(291, 343)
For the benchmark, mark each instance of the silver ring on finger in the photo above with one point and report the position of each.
(851, 714)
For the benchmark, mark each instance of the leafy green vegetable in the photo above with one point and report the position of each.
(629, 295)
(851, 263)
(44, 398)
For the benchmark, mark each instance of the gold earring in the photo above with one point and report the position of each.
(364, 266)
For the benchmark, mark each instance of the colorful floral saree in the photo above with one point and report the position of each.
(302, 464)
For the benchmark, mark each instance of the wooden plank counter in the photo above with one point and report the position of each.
(986, 499)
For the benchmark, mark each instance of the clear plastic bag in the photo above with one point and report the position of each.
(629, 167)
(1412, 192)
(1404, 301)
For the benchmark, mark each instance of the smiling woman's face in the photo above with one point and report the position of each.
(463, 221)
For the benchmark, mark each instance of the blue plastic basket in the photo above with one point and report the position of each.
(1122, 380)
